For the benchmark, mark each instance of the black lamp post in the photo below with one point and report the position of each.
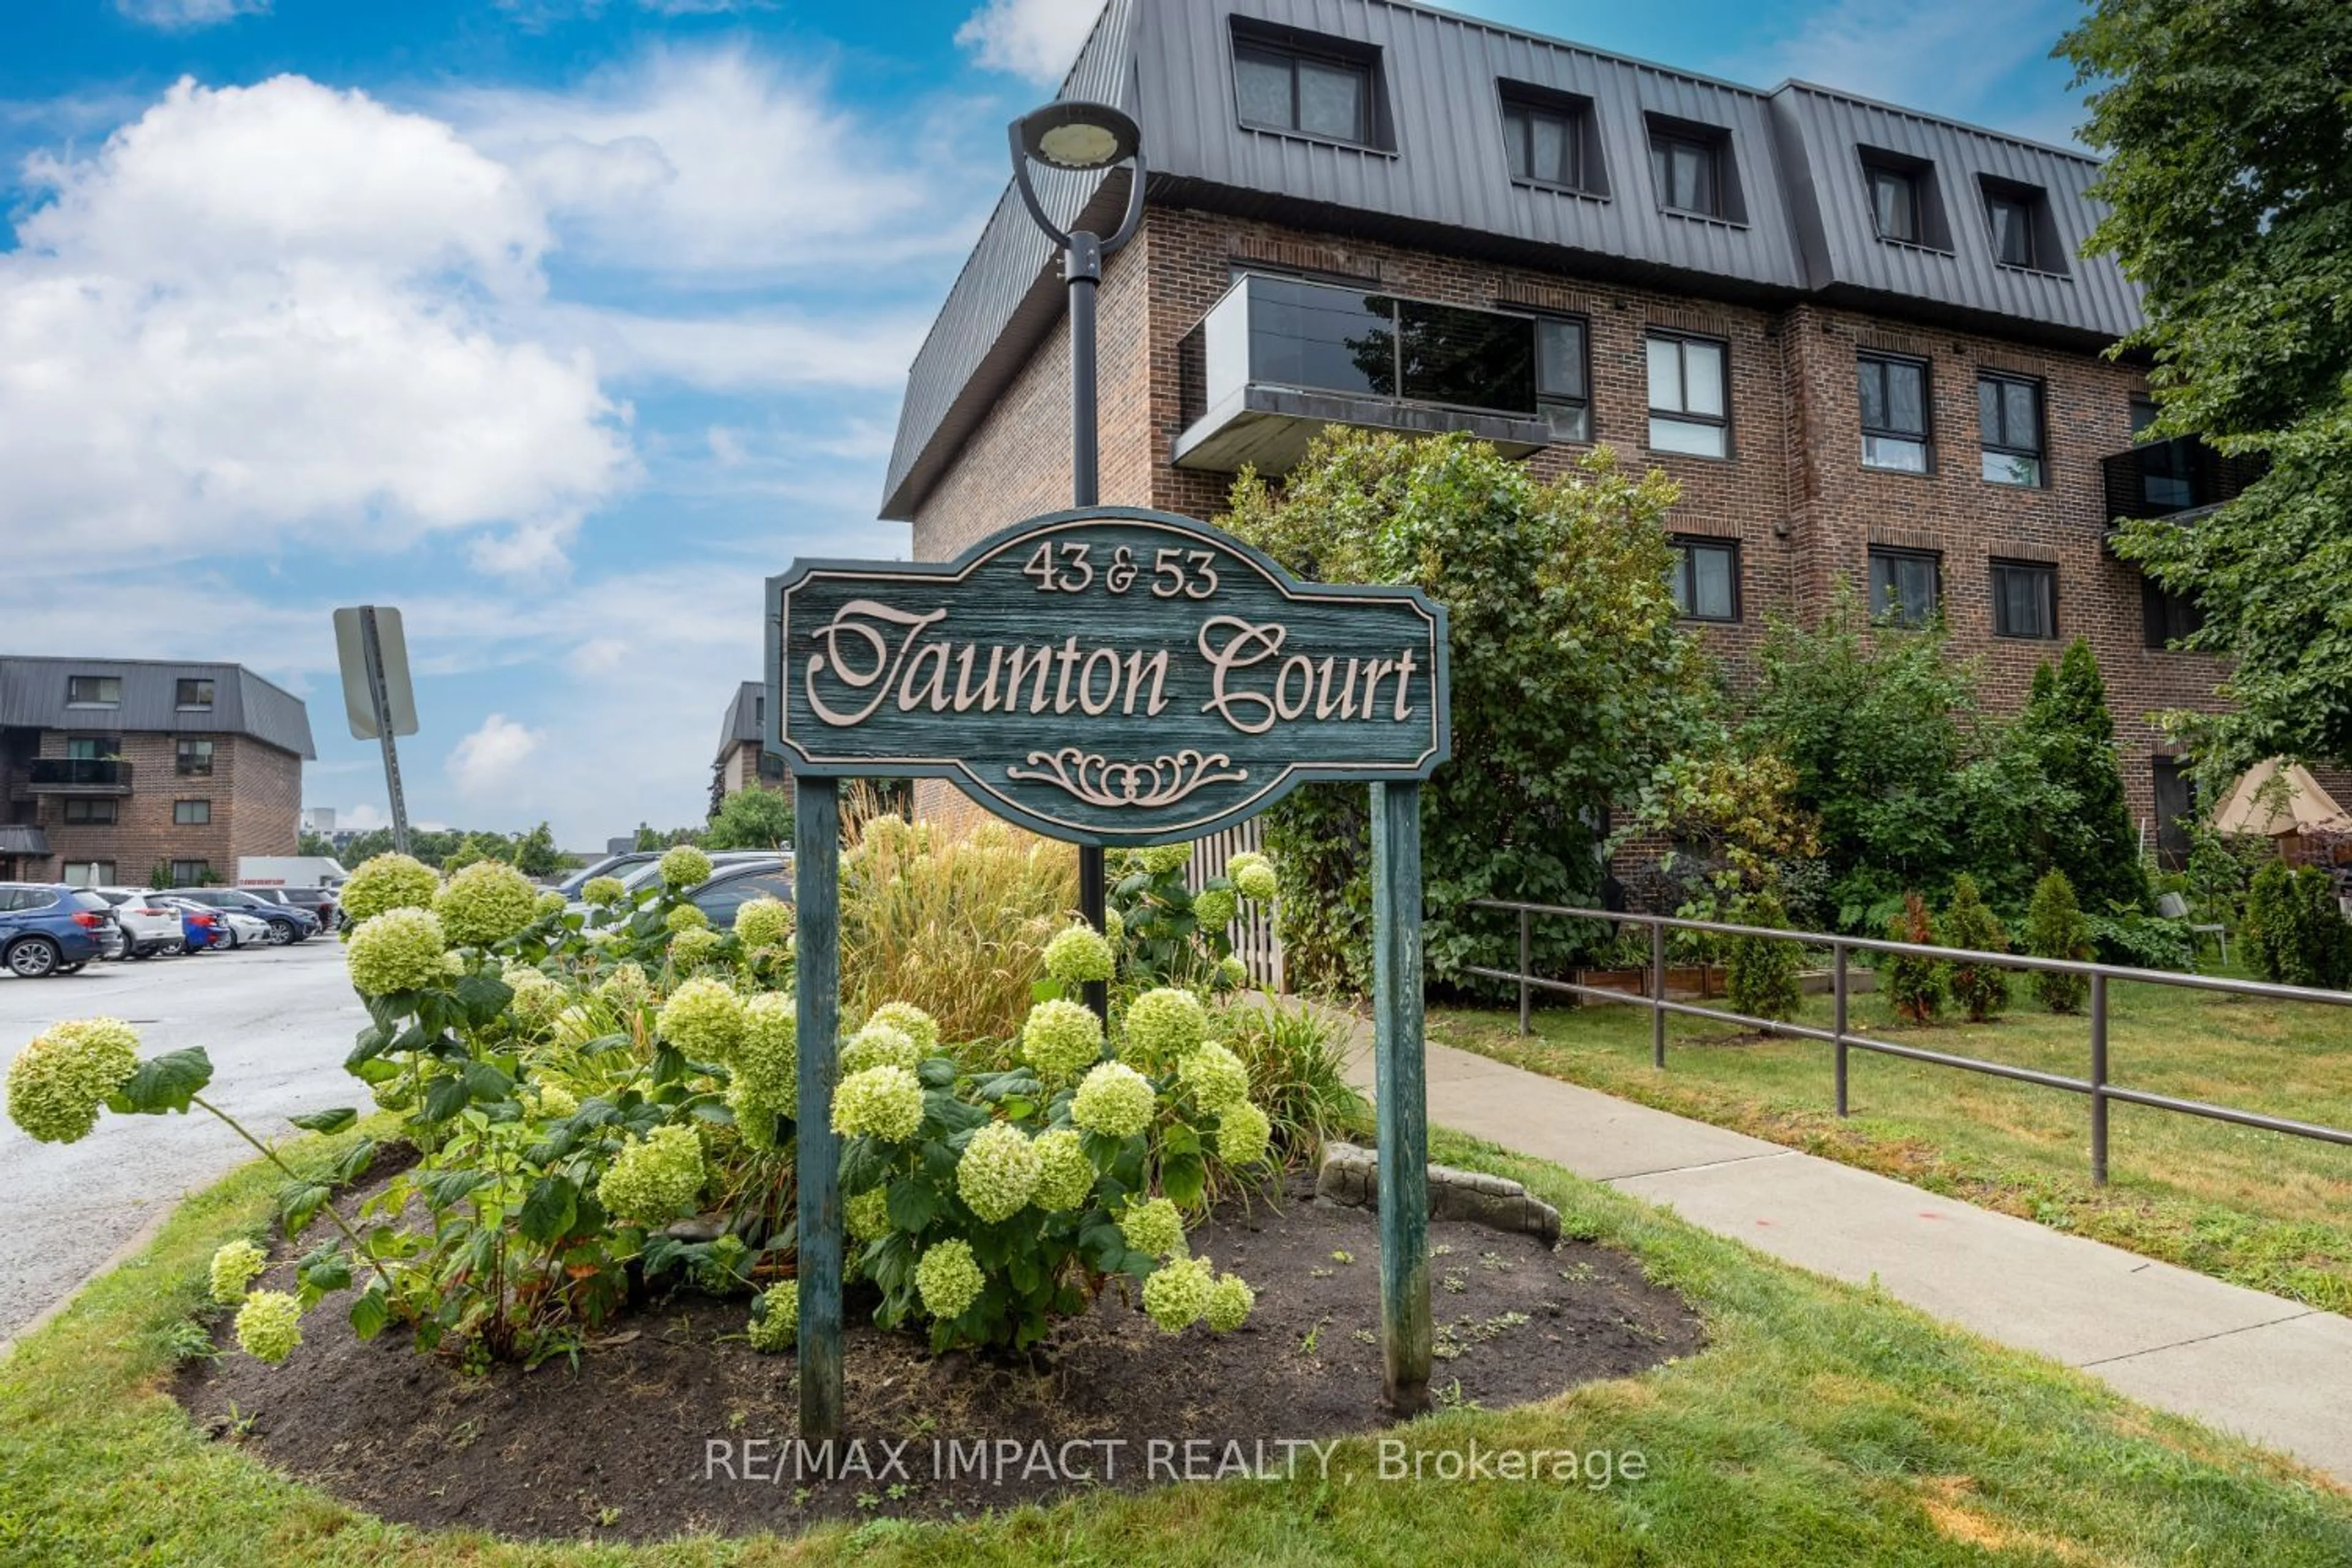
(1082, 137)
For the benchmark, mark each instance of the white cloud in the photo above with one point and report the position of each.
(490, 758)
(178, 15)
(1038, 39)
(726, 161)
(272, 313)
(1926, 53)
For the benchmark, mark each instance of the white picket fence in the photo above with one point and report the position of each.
(1252, 931)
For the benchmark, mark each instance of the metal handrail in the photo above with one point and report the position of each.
(1843, 1039)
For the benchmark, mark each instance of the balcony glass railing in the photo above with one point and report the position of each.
(2159, 479)
(78, 772)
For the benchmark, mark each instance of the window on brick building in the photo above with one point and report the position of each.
(93, 691)
(195, 696)
(1905, 585)
(1548, 139)
(2023, 232)
(2176, 807)
(89, 813)
(771, 765)
(1705, 579)
(192, 813)
(2009, 426)
(2166, 617)
(191, 873)
(196, 758)
(93, 748)
(2024, 599)
(1689, 398)
(1287, 80)
(1690, 169)
(1564, 377)
(1893, 413)
(88, 873)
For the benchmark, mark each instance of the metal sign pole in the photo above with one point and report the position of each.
(371, 646)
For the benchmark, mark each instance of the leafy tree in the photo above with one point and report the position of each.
(2055, 928)
(1981, 988)
(314, 844)
(2066, 720)
(1911, 784)
(479, 846)
(535, 853)
(2294, 934)
(1571, 683)
(647, 839)
(1761, 972)
(1915, 985)
(2228, 132)
(750, 819)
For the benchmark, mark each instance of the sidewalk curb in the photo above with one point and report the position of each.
(137, 1244)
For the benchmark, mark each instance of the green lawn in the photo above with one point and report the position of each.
(1825, 1423)
(2260, 1208)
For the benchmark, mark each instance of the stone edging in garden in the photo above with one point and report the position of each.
(1352, 1175)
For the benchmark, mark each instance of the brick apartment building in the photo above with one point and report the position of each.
(1860, 337)
(109, 768)
(742, 764)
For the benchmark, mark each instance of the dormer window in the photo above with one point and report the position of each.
(1905, 206)
(1304, 84)
(1549, 139)
(93, 691)
(2024, 233)
(1691, 170)
(1894, 203)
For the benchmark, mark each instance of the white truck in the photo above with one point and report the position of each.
(290, 871)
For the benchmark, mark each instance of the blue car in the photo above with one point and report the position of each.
(48, 928)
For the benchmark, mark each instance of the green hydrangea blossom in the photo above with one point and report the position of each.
(949, 1280)
(269, 1325)
(1162, 858)
(766, 1069)
(388, 882)
(998, 1172)
(1154, 1227)
(764, 922)
(1243, 1133)
(394, 1093)
(626, 988)
(1215, 908)
(486, 903)
(1065, 1176)
(1177, 1294)
(692, 948)
(911, 1021)
(537, 999)
(399, 949)
(1114, 1100)
(704, 1019)
(777, 1327)
(655, 1178)
(879, 1044)
(1078, 954)
(1114, 929)
(550, 902)
(603, 892)
(687, 916)
(1231, 972)
(1230, 1301)
(556, 1102)
(866, 1214)
(1215, 1077)
(57, 1081)
(234, 1269)
(1061, 1038)
(884, 1103)
(1163, 1025)
(684, 867)
(1253, 877)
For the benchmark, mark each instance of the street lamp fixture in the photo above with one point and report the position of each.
(1078, 137)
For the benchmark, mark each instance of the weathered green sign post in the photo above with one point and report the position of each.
(1109, 676)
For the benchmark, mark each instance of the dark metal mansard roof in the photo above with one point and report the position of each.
(1439, 179)
(34, 695)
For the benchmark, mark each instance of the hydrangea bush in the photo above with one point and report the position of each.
(1171, 933)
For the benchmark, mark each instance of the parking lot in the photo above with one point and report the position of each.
(277, 1021)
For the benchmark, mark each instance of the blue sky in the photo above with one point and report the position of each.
(560, 324)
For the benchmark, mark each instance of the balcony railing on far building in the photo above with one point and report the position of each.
(78, 775)
(2166, 478)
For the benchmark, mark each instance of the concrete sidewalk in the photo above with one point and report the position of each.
(2274, 1371)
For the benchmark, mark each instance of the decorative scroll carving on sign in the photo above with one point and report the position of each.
(1098, 781)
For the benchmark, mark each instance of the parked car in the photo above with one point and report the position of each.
(230, 928)
(286, 923)
(619, 865)
(203, 929)
(731, 886)
(48, 928)
(637, 877)
(322, 902)
(148, 927)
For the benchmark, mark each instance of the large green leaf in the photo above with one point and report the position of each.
(333, 1120)
(912, 1204)
(548, 1212)
(444, 1098)
(369, 1313)
(161, 1083)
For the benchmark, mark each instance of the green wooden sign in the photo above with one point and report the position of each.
(1107, 675)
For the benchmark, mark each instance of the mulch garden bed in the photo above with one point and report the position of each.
(672, 1424)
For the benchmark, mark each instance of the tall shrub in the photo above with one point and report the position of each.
(1760, 972)
(2055, 928)
(2092, 840)
(2294, 933)
(1980, 988)
(1915, 985)
(1571, 681)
